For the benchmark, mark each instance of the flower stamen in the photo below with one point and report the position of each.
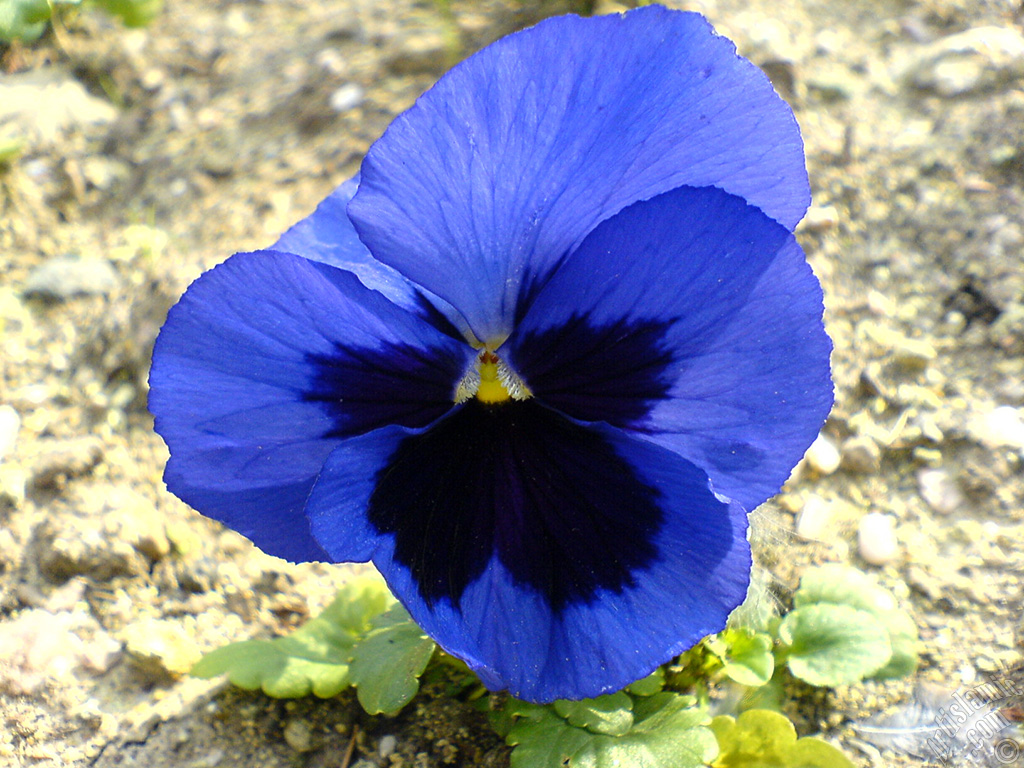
(491, 381)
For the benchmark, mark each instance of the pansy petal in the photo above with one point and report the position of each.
(507, 163)
(559, 560)
(327, 236)
(693, 320)
(265, 364)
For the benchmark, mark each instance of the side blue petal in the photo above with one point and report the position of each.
(543, 584)
(505, 165)
(268, 361)
(327, 236)
(692, 320)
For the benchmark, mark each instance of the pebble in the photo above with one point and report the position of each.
(160, 648)
(876, 538)
(10, 423)
(814, 518)
(298, 735)
(939, 491)
(1001, 427)
(972, 61)
(386, 745)
(823, 456)
(423, 53)
(65, 459)
(821, 218)
(861, 455)
(45, 103)
(65, 276)
(347, 97)
(69, 546)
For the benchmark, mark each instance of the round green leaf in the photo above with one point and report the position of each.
(611, 715)
(833, 645)
(841, 585)
(748, 660)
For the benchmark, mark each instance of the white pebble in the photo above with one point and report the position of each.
(1001, 427)
(386, 745)
(814, 519)
(939, 491)
(823, 456)
(876, 538)
(348, 96)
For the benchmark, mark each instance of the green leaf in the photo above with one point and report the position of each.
(667, 732)
(387, 664)
(748, 658)
(760, 738)
(648, 686)
(841, 585)
(23, 20)
(611, 715)
(133, 13)
(833, 645)
(903, 637)
(10, 147)
(313, 659)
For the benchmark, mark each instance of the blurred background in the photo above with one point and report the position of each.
(133, 158)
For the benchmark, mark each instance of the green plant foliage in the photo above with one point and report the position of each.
(748, 658)
(314, 659)
(832, 645)
(133, 13)
(840, 585)
(10, 148)
(648, 686)
(760, 738)
(665, 730)
(23, 19)
(386, 665)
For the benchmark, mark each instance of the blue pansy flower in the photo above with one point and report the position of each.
(536, 363)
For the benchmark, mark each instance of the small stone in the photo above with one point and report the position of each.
(65, 459)
(66, 276)
(132, 518)
(912, 355)
(298, 735)
(426, 52)
(347, 97)
(160, 649)
(10, 423)
(814, 519)
(969, 62)
(821, 218)
(861, 455)
(386, 746)
(72, 546)
(1002, 427)
(823, 456)
(876, 538)
(36, 647)
(939, 491)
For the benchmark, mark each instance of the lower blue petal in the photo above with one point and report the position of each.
(558, 560)
(267, 362)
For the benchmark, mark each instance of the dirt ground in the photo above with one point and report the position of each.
(150, 155)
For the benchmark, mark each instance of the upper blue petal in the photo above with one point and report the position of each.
(693, 320)
(265, 364)
(557, 560)
(504, 166)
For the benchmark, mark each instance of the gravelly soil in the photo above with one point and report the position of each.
(153, 154)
